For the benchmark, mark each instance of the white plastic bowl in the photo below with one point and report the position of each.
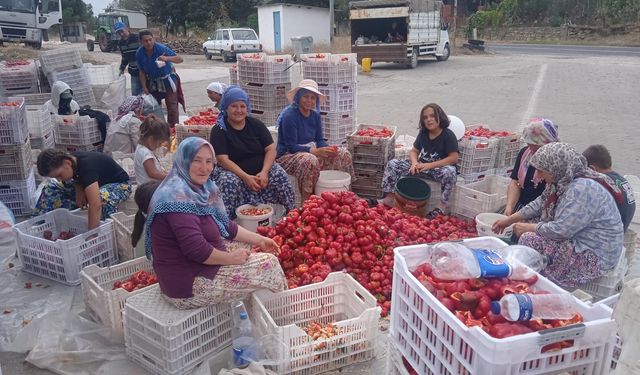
(484, 222)
(252, 223)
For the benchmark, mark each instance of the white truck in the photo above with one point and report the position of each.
(398, 31)
(27, 21)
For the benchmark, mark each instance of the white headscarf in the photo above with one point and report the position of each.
(217, 87)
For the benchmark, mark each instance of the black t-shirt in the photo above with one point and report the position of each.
(529, 192)
(244, 147)
(97, 167)
(430, 150)
(628, 207)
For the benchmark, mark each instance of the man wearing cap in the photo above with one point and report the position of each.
(128, 45)
(215, 91)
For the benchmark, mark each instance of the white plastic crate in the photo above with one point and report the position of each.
(73, 148)
(127, 162)
(75, 78)
(339, 97)
(62, 260)
(38, 121)
(60, 59)
(267, 97)
(376, 155)
(609, 284)
(15, 161)
(102, 74)
(626, 312)
(44, 142)
(103, 303)
(355, 139)
(123, 226)
(264, 69)
(169, 341)
(13, 121)
(434, 341)
(327, 68)
(508, 151)
(18, 78)
(611, 302)
(19, 195)
(36, 99)
(404, 144)
(477, 154)
(630, 243)
(487, 195)
(186, 131)
(340, 300)
(76, 130)
(337, 126)
(394, 361)
(83, 95)
(267, 117)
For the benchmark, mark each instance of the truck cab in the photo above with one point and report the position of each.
(28, 20)
(398, 31)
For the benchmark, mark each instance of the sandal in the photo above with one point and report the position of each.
(434, 213)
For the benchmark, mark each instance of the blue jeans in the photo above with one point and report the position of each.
(136, 87)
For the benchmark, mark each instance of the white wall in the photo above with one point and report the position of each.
(294, 21)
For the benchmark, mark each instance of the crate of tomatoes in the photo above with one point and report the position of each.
(372, 144)
(446, 327)
(105, 289)
(197, 125)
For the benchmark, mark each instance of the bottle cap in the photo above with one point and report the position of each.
(243, 315)
(495, 307)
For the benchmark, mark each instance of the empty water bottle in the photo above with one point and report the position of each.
(454, 261)
(522, 307)
(243, 341)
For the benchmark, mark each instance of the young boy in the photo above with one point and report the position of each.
(599, 160)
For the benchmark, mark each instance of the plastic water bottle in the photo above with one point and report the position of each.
(522, 307)
(454, 261)
(243, 341)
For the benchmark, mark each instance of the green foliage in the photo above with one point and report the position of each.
(620, 11)
(76, 11)
(482, 20)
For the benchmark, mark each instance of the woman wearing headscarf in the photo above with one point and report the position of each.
(302, 150)
(245, 150)
(188, 233)
(527, 184)
(580, 229)
(61, 102)
(215, 90)
(124, 132)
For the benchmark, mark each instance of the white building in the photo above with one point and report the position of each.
(278, 23)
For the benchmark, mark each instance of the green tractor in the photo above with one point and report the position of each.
(106, 38)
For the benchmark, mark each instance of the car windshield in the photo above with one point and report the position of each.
(26, 6)
(244, 35)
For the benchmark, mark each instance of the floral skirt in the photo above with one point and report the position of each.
(56, 194)
(231, 283)
(567, 267)
(397, 168)
(306, 167)
(235, 192)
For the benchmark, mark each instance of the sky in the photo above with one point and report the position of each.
(98, 5)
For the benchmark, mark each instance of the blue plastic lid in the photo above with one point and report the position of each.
(495, 307)
(243, 315)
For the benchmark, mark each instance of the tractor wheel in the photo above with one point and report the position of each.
(104, 42)
(90, 45)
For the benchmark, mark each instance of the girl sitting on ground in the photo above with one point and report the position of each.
(154, 131)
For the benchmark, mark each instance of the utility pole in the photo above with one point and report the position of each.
(331, 6)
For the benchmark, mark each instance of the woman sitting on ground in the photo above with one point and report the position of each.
(580, 227)
(246, 153)
(186, 230)
(433, 157)
(80, 179)
(527, 185)
(302, 150)
(124, 132)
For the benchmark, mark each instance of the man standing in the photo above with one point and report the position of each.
(128, 46)
(157, 75)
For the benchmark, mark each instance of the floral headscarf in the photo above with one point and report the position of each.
(539, 131)
(177, 193)
(130, 104)
(565, 165)
(231, 95)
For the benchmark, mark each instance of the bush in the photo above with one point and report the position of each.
(482, 20)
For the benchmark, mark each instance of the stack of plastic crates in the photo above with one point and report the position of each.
(66, 65)
(478, 156)
(370, 156)
(18, 77)
(76, 133)
(267, 80)
(336, 76)
(17, 180)
(40, 127)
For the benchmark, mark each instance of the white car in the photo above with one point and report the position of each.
(226, 43)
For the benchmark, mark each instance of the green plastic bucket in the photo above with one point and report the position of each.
(412, 195)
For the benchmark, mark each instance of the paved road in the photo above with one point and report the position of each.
(565, 50)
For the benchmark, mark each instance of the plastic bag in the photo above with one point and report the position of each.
(151, 105)
(114, 95)
(6, 222)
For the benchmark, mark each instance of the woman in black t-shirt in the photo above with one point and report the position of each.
(433, 156)
(82, 179)
(247, 172)
(526, 184)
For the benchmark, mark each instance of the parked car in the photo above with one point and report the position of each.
(226, 43)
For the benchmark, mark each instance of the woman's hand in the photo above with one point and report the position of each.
(323, 152)
(263, 179)
(268, 246)
(520, 228)
(499, 226)
(415, 168)
(424, 167)
(238, 256)
(252, 182)
(508, 211)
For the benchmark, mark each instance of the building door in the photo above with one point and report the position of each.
(277, 42)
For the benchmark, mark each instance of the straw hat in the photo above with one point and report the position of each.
(308, 84)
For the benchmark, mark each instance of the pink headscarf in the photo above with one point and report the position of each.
(539, 131)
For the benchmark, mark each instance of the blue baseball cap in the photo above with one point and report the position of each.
(119, 26)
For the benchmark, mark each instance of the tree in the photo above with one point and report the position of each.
(127, 4)
(76, 11)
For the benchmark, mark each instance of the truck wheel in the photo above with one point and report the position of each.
(445, 53)
(35, 45)
(413, 63)
(207, 54)
(90, 45)
(225, 57)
